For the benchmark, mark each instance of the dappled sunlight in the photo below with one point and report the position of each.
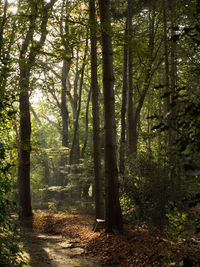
(44, 246)
(138, 245)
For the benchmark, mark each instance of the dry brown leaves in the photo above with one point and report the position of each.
(136, 247)
(72, 225)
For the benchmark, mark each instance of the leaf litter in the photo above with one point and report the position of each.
(137, 246)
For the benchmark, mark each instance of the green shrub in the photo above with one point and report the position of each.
(10, 252)
(149, 191)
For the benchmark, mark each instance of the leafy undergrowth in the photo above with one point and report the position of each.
(136, 247)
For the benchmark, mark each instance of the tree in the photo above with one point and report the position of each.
(64, 33)
(123, 108)
(98, 180)
(113, 209)
(131, 122)
(47, 177)
(73, 154)
(29, 50)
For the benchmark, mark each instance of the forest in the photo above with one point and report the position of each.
(100, 132)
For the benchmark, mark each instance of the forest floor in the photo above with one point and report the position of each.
(66, 239)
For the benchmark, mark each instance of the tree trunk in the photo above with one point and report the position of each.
(175, 180)
(173, 73)
(73, 155)
(24, 146)
(131, 126)
(64, 109)
(62, 179)
(166, 55)
(123, 111)
(149, 126)
(25, 122)
(113, 209)
(44, 146)
(134, 113)
(86, 124)
(98, 179)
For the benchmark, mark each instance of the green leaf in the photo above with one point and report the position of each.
(157, 126)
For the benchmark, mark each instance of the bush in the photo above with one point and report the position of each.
(10, 252)
(149, 191)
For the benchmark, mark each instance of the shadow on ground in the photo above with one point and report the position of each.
(54, 250)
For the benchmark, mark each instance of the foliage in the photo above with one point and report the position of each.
(183, 227)
(176, 224)
(188, 117)
(149, 192)
(10, 252)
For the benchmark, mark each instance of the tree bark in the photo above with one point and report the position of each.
(113, 209)
(73, 156)
(75, 147)
(62, 179)
(86, 124)
(166, 55)
(123, 110)
(63, 106)
(25, 146)
(131, 122)
(98, 179)
(173, 80)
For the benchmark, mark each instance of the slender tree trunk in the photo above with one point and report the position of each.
(113, 209)
(160, 112)
(44, 146)
(73, 157)
(123, 110)
(86, 124)
(135, 121)
(147, 81)
(166, 54)
(87, 184)
(173, 73)
(175, 180)
(64, 109)
(131, 122)
(62, 179)
(149, 126)
(98, 179)
(64, 32)
(75, 148)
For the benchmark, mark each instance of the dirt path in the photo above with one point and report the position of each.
(55, 250)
